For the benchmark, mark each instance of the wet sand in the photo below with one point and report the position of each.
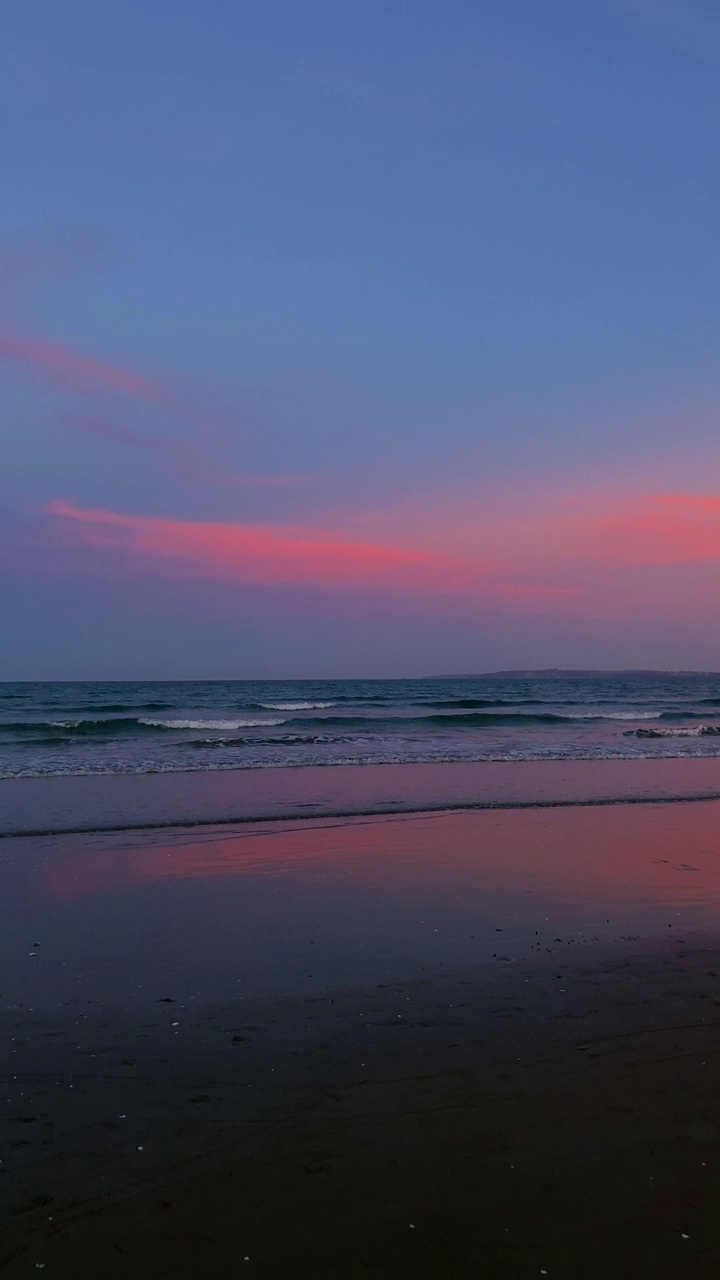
(456, 1045)
(110, 802)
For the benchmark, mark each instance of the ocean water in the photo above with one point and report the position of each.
(109, 728)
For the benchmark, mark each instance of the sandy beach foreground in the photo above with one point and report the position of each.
(450, 1045)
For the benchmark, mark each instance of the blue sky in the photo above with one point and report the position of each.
(393, 275)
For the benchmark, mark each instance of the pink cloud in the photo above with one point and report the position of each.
(649, 555)
(57, 364)
(638, 531)
(257, 553)
(53, 363)
(648, 531)
(272, 554)
(573, 534)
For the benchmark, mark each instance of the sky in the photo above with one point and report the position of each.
(369, 339)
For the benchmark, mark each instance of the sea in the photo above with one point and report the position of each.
(149, 727)
(92, 756)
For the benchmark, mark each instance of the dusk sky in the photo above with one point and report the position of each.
(358, 339)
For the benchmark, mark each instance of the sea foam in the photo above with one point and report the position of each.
(295, 706)
(209, 724)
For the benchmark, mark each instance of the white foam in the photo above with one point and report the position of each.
(615, 715)
(295, 706)
(209, 724)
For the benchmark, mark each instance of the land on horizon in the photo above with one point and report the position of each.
(509, 673)
(585, 673)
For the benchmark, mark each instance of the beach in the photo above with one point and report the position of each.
(425, 1045)
(359, 668)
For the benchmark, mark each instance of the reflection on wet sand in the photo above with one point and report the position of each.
(658, 852)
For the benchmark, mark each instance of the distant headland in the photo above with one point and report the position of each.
(564, 673)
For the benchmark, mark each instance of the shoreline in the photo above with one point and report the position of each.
(463, 806)
(121, 802)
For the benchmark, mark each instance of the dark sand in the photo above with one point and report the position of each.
(466, 1045)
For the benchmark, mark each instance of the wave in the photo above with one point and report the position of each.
(477, 703)
(43, 732)
(76, 728)
(120, 706)
(91, 709)
(685, 731)
(591, 714)
(474, 704)
(687, 714)
(478, 719)
(615, 715)
(294, 706)
(481, 719)
(367, 699)
(209, 724)
(280, 740)
(112, 726)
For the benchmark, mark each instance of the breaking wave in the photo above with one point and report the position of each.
(146, 727)
(116, 726)
(209, 724)
(295, 706)
(122, 726)
(280, 740)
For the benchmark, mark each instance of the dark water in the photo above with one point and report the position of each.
(60, 729)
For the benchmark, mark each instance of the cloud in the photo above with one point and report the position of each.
(646, 531)
(104, 384)
(48, 361)
(570, 534)
(573, 553)
(284, 555)
(257, 553)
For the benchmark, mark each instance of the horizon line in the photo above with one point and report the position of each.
(507, 672)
